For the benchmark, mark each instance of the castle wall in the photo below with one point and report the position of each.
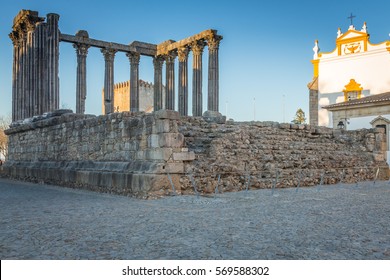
(122, 97)
(133, 153)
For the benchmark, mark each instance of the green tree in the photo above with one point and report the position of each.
(299, 117)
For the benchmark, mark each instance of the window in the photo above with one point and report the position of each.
(352, 90)
(353, 95)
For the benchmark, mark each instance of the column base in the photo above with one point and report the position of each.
(215, 117)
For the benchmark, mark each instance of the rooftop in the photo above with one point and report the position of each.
(372, 99)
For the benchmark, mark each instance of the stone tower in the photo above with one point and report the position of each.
(122, 97)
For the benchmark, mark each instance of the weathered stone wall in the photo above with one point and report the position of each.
(144, 154)
(299, 155)
(127, 153)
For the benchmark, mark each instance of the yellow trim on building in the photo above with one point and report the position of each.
(387, 42)
(315, 67)
(362, 37)
(350, 87)
(325, 53)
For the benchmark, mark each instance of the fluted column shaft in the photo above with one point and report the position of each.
(197, 50)
(53, 36)
(14, 39)
(213, 72)
(170, 82)
(134, 81)
(81, 78)
(23, 74)
(30, 104)
(41, 67)
(35, 73)
(158, 89)
(183, 81)
(109, 55)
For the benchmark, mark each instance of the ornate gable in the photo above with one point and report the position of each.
(352, 41)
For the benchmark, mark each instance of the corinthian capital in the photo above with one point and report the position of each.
(182, 53)
(170, 57)
(14, 36)
(134, 58)
(158, 62)
(213, 42)
(109, 54)
(81, 49)
(197, 47)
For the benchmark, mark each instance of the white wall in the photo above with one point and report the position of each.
(370, 69)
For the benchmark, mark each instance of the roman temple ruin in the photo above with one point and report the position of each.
(164, 151)
(35, 88)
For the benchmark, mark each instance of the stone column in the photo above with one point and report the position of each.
(134, 81)
(25, 71)
(170, 81)
(213, 72)
(23, 78)
(29, 72)
(42, 68)
(158, 62)
(81, 78)
(53, 37)
(14, 37)
(35, 74)
(109, 55)
(197, 50)
(183, 80)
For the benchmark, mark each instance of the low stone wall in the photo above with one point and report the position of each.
(124, 153)
(149, 155)
(269, 154)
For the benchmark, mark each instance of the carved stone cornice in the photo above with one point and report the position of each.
(213, 42)
(109, 54)
(171, 45)
(197, 47)
(81, 49)
(26, 21)
(182, 53)
(134, 58)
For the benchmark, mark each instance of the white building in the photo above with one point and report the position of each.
(351, 84)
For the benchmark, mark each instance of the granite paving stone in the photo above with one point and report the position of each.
(342, 221)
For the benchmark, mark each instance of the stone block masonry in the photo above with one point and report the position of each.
(297, 155)
(125, 153)
(138, 154)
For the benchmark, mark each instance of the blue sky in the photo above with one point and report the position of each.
(264, 56)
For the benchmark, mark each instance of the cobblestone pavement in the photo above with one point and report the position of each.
(328, 222)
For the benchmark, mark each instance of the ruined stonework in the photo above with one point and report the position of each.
(150, 155)
(35, 81)
(125, 153)
(164, 152)
(35, 87)
(269, 154)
